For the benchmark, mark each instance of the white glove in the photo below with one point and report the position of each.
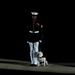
(40, 41)
(27, 41)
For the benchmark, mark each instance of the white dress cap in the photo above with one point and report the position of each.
(34, 13)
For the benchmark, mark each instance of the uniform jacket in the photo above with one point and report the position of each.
(34, 31)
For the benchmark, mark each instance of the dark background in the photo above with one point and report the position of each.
(57, 18)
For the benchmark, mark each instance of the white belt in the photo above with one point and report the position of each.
(34, 32)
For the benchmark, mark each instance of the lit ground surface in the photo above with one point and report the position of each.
(17, 65)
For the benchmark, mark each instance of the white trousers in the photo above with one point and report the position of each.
(34, 47)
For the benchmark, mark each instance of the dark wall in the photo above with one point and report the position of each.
(58, 34)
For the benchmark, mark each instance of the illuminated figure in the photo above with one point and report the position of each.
(34, 37)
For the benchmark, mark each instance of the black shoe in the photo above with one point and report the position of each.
(34, 65)
(31, 64)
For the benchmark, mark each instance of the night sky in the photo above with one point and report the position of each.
(58, 31)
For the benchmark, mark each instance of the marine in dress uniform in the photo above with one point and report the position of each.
(34, 37)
